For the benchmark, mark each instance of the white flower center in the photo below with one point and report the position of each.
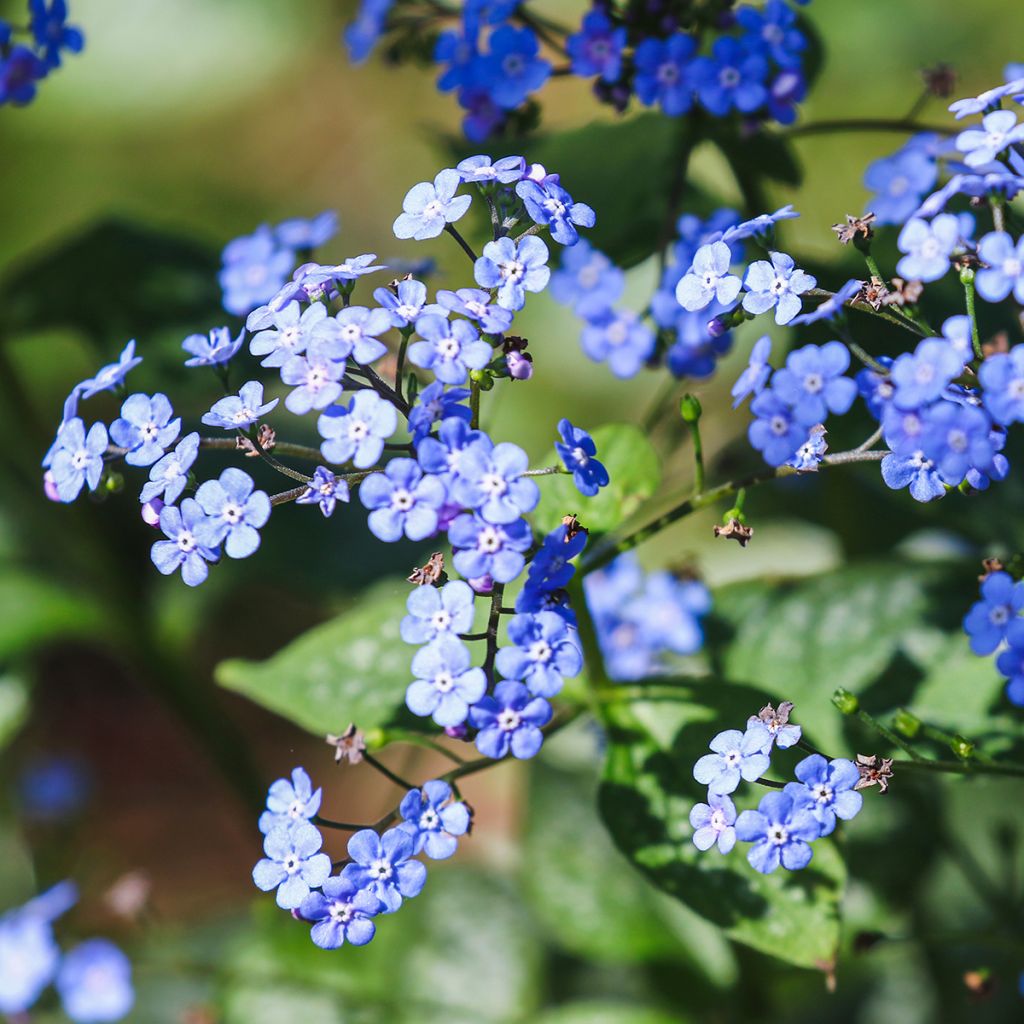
(539, 651)
(489, 540)
(381, 869)
(493, 484)
(435, 208)
(511, 270)
(813, 383)
(402, 500)
(444, 682)
(232, 513)
(429, 820)
(441, 620)
(186, 542)
(509, 720)
(617, 333)
(357, 429)
(777, 835)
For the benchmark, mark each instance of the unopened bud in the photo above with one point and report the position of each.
(375, 739)
(482, 584)
(690, 409)
(962, 748)
(906, 723)
(113, 483)
(845, 701)
(50, 486)
(456, 732)
(717, 327)
(520, 365)
(966, 275)
(482, 379)
(150, 512)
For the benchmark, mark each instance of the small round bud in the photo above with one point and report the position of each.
(113, 483)
(456, 732)
(482, 378)
(690, 409)
(50, 486)
(906, 723)
(375, 739)
(717, 327)
(962, 748)
(845, 701)
(151, 512)
(966, 275)
(520, 365)
(482, 584)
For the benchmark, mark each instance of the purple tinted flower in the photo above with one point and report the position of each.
(325, 490)
(76, 458)
(52, 33)
(586, 280)
(781, 831)
(20, 69)
(488, 549)
(761, 226)
(446, 682)
(713, 823)
(577, 451)
(235, 512)
(302, 233)
(1002, 378)
(340, 913)
(357, 431)
(450, 348)
(402, 500)
(999, 130)
(510, 720)
(550, 205)
(475, 303)
(923, 375)
(214, 349)
(95, 982)
(956, 438)
(774, 32)
(811, 452)
(442, 454)
(351, 269)
(289, 802)
(597, 48)
(775, 432)
(513, 269)
(1001, 602)
(183, 549)
(664, 72)
(736, 755)
(490, 481)
(621, 338)
(407, 304)
(433, 819)
(753, 379)
(145, 428)
(812, 382)
(1004, 270)
(360, 36)
(776, 285)
(429, 207)
(381, 866)
(239, 411)
(292, 864)
(928, 247)
(731, 79)
(786, 90)
(545, 651)
(1011, 662)
(989, 98)
(169, 475)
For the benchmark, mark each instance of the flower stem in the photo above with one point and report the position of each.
(463, 244)
(967, 279)
(868, 124)
(387, 772)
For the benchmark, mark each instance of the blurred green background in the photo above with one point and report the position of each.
(186, 123)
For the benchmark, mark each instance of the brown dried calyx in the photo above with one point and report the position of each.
(572, 526)
(854, 227)
(349, 746)
(874, 771)
(735, 530)
(266, 438)
(430, 574)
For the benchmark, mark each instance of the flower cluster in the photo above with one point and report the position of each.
(93, 978)
(380, 872)
(639, 617)
(47, 35)
(496, 57)
(786, 820)
(994, 624)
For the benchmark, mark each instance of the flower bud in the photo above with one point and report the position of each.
(966, 275)
(151, 512)
(961, 747)
(375, 739)
(482, 378)
(717, 327)
(906, 723)
(690, 409)
(520, 365)
(50, 486)
(845, 701)
(482, 584)
(456, 732)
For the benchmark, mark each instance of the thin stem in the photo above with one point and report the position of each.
(968, 283)
(416, 740)
(493, 620)
(464, 245)
(496, 228)
(387, 772)
(298, 451)
(545, 471)
(961, 768)
(474, 404)
(770, 783)
(472, 636)
(869, 442)
(868, 124)
(887, 733)
(864, 307)
(677, 185)
(949, 740)
(283, 497)
(400, 362)
(698, 456)
(998, 213)
(533, 229)
(343, 826)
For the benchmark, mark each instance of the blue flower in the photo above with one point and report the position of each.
(928, 247)
(697, 346)
(1002, 378)
(776, 721)
(361, 35)
(433, 819)
(781, 831)
(357, 431)
(827, 790)
(325, 490)
(435, 403)
(915, 471)
(736, 755)
(487, 549)
(183, 550)
(427, 207)
(442, 454)
(349, 270)
(544, 653)
(290, 332)
(407, 303)
(111, 375)
(1011, 662)
(20, 69)
(475, 303)
(776, 285)
(51, 31)
(302, 233)
(506, 170)
(145, 428)
(577, 450)
(773, 29)
(510, 720)
(341, 913)
(550, 572)
(239, 411)
(214, 349)
(786, 90)
(731, 79)
(402, 500)
(713, 823)
(922, 376)
(446, 682)
(898, 182)
(490, 481)
(621, 338)
(460, 53)
(775, 432)
(708, 279)
(550, 205)
(761, 226)
(292, 864)
(999, 130)
(235, 512)
(753, 379)
(990, 98)
(597, 48)
(994, 183)
(356, 334)
(1004, 267)
(315, 377)
(812, 382)
(586, 280)
(957, 438)
(832, 307)
(663, 72)
(76, 458)
(169, 475)
(451, 348)
(988, 619)
(95, 982)
(811, 452)
(290, 802)
(512, 68)
(254, 269)
(435, 612)
(381, 866)
(513, 269)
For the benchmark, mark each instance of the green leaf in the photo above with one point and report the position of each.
(354, 668)
(635, 473)
(764, 154)
(606, 1013)
(13, 706)
(271, 1004)
(646, 796)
